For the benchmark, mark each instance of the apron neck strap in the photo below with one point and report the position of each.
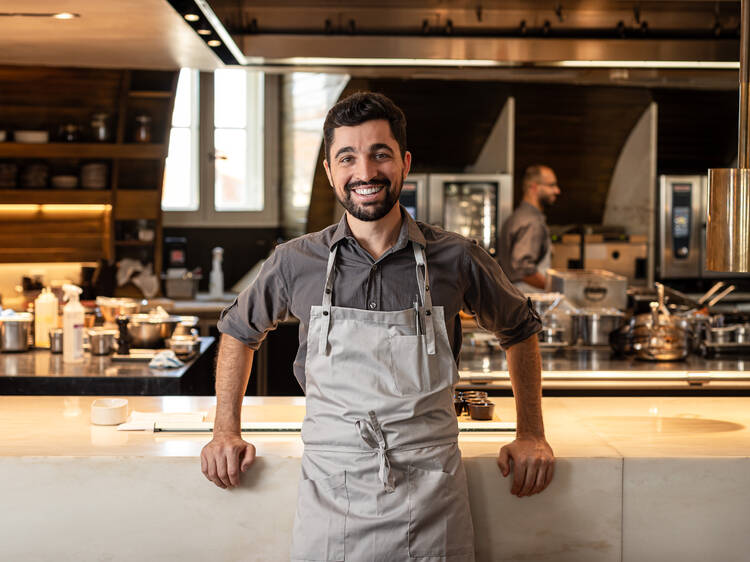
(330, 275)
(423, 280)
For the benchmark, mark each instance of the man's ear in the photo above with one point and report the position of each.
(407, 163)
(328, 172)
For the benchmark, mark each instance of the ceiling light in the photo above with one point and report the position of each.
(65, 16)
(192, 17)
(204, 32)
(213, 43)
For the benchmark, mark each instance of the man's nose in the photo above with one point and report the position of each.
(365, 170)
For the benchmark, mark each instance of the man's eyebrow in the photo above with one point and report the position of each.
(380, 146)
(340, 151)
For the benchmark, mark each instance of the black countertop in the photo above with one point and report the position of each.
(39, 372)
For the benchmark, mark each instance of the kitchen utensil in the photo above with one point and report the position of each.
(183, 345)
(35, 137)
(14, 331)
(722, 334)
(109, 411)
(721, 295)
(56, 340)
(94, 176)
(111, 308)
(150, 331)
(481, 410)
(590, 288)
(595, 325)
(102, 341)
(64, 182)
(34, 175)
(8, 172)
(711, 292)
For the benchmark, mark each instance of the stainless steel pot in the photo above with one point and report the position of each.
(723, 334)
(594, 326)
(150, 331)
(14, 332)
(102, 342)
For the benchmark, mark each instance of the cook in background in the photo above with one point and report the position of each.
(524, 251)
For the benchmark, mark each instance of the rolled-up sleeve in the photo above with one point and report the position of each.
(528, 242)
(259, 308)
(499, 306)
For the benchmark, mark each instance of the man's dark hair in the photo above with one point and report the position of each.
(360, 107)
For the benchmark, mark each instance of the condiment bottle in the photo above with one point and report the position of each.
(72, 325)
(45, 317)
(216, 278)
(143, 128)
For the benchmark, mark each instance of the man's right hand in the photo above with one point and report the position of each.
(224, 457)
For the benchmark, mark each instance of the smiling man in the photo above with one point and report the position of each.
(378, 297)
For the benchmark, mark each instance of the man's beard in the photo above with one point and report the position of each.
(370, 211)
(547, 201)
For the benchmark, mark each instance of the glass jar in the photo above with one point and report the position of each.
(99, 127)
(142, 128)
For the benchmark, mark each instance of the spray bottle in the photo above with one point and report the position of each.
(45, 317)
(72, 325)
(216, 279)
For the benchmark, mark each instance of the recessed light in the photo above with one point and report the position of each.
(192, 17)
(64, 16)
(204, 32)
(213, 43)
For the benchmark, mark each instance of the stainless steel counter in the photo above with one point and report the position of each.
(597, 368)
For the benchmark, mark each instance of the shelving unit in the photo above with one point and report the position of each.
(40, 98)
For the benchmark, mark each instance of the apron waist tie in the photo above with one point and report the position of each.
(372, 434)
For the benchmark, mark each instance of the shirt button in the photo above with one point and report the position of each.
(375, 267)
(373, 306)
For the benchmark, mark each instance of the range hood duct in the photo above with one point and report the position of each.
(728, 227)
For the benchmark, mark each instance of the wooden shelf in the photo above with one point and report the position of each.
(82, 150)
(56, 196)
(150, 94)
(133, 243)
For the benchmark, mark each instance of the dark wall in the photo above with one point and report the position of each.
(577, 130)
(243, 247)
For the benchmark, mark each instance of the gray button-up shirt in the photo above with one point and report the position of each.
(462, 277)
(524, 241)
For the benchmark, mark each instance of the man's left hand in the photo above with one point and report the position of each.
(533, 464)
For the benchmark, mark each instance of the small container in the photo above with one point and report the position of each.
(481, 410)
(109, 411)
(458, 404)
(56, 340)
(70, 132)
(99, 127)
(15, 330)
(142, 128)
(102, 342)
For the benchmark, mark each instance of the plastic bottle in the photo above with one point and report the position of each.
(45, 317)
(216, 279)
(72, 325)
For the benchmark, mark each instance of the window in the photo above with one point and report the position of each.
(217, 169)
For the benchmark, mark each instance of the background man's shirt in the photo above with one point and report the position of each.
(462, 277)
(524, 241)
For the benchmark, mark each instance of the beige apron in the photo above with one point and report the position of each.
(382, 478)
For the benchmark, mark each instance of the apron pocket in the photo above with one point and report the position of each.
(410, 365)
(439, 514)
(320, 521)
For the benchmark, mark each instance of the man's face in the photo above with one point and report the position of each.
(547, 188)
(366, 170)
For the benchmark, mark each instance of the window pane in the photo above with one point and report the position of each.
(231, 193)
(182, 116)
(230, 98)
(180, 191)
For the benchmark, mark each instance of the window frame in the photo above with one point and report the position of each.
(207, 216)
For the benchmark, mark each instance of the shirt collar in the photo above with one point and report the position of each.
(532, 208)
(410, 232)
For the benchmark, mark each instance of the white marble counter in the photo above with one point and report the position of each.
(636, 479)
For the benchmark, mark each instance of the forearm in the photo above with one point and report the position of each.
(525, 367)
(536, 279)
(232, 374)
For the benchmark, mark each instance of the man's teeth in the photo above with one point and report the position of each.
(368, 190)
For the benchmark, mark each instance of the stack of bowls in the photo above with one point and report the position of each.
(475, 403)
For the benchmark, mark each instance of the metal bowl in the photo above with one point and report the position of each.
(111, 308)
(183, 345)
(150, 331)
